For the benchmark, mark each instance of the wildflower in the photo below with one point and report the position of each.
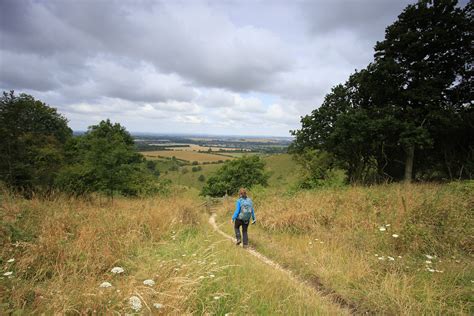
(431, 270)
(429, 257)
(105, 284)
(439, 271)
(149, 282)
(391, 258)
(217, 297)
(201, 277)
(400, 257)
(382, 258)
(212, 276)
(11, 260)
(183, 255)
(395, 236)
(382, 229)
(387, 225)
(135, 303)
(8, 273)
(310, 243)
(157, 305)
(321, 242)
(117, 270)
(376, 254)
(428, 262)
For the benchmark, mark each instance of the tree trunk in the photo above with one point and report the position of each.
(409, 163)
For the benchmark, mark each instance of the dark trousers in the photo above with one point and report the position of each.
(245, 225)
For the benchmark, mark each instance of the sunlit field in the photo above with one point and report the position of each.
(185, 155)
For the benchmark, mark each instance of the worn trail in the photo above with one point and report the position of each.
(313, 285)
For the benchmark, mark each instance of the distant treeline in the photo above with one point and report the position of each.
(407, 115)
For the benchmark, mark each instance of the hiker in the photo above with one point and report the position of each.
(243, 212)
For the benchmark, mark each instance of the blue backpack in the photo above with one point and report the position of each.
(245, 209)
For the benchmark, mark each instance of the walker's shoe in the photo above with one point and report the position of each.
(237, 242)
(246, 246)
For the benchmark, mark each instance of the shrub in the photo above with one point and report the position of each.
(243, 172)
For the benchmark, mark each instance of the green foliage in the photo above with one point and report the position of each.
(32, 136)
(201, 178)
(104, 159)
(234, 174)
(196, 168)
(410, 104)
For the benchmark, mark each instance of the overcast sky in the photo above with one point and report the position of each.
(216, 67)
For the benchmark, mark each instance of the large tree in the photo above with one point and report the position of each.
(426, 52)
(32, 139)
(414, 97)
(104, 159)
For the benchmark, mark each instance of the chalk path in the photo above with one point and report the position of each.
(314, 286)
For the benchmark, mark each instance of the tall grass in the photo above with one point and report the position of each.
(344, 238)
(64, 249)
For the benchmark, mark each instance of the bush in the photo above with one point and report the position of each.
(196, 169)
(201, 178)
(234, 174)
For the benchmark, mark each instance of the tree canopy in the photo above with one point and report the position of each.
(33, 136)
(408, 110)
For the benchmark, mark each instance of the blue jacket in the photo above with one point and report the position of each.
(237, 210)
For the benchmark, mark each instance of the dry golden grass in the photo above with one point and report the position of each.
(333, 236)
(185, 155)
(65, 248)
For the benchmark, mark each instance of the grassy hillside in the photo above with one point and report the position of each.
(283, 172)
(391, 249)
(56, 254)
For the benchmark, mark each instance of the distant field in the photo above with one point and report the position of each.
(185, 155)
(194, 147)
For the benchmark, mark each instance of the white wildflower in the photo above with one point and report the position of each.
(387, 225)
(105, 284)
(117, 270)
(217, 297)
(429, 257)
(310, 243)
(8, 273)
(382, 229)
(201, 277)
(183, 255)
(212, 276)
(428, 262)
(400, 257)
(157, 305)
(321, 242)
(431, 270)
(149, 282)
(382, 258)
(135, 303)
(11, 260)
(439, 271)
(391, 258)
(395, 236)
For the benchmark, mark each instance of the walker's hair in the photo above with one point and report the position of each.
(243, 192)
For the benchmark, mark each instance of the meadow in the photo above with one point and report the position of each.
(59, 257)
(392, 249)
